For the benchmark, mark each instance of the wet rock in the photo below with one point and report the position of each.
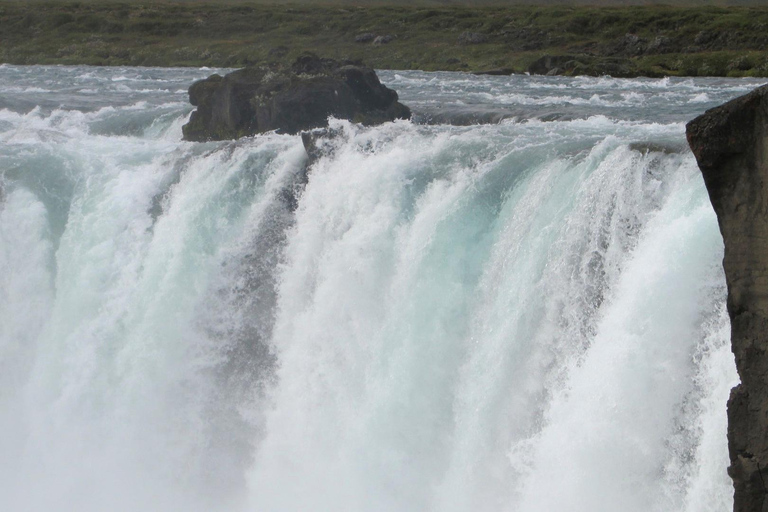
(289, 99)
(318, 143)
(575, 65)
(495, 72)
(472, 38)
(730, 143)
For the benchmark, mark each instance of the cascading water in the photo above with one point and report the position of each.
(523, 316)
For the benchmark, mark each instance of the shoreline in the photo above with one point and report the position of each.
(628, 42)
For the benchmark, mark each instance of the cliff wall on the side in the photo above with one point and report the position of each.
(730, 143)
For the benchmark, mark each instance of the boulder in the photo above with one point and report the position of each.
(730, 143)
(289, 99)
(574, 65)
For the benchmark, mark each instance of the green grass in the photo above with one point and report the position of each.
(704, 40)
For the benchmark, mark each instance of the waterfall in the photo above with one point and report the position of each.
(525, 316)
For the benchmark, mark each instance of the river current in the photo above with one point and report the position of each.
(514, 302)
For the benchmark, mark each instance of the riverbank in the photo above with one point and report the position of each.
(628, 41)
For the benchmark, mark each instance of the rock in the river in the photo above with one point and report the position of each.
(289, 99)
(730, 143)
(574, 65)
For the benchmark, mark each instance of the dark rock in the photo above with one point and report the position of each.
(318, 142)
(730, 143)
(573, 65)
(495, 72)
(472, 38)
(547, 63)
(453, 60)
(256, 100)
(380, 40)
(365, 38)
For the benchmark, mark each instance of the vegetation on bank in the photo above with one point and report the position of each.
(621, 41)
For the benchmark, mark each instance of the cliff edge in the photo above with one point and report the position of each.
(730, 143)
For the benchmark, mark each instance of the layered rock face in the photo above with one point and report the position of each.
(730, 143)
(289, 99)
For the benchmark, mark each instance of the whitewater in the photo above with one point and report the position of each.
(513, 302)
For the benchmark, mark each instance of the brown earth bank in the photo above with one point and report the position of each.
(556, 39)
(730, 143)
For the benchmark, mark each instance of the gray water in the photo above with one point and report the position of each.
(527, 315)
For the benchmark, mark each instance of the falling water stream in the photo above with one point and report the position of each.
(525, 315)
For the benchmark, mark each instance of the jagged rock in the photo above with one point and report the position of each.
(730, 143)
(472, 38)
(289, 99)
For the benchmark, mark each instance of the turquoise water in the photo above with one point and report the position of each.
(521, 316)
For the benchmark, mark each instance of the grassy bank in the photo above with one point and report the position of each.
(628, 41)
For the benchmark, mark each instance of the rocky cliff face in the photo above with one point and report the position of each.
(289, 99)
(730, 143)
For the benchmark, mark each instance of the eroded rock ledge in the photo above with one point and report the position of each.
(289, 99)
(730, 143)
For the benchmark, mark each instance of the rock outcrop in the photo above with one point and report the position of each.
(730, 143)
(289, 99)
(589, 65)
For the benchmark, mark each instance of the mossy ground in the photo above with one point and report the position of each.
(712, 41)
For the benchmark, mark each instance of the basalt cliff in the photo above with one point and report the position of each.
(730, 143)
